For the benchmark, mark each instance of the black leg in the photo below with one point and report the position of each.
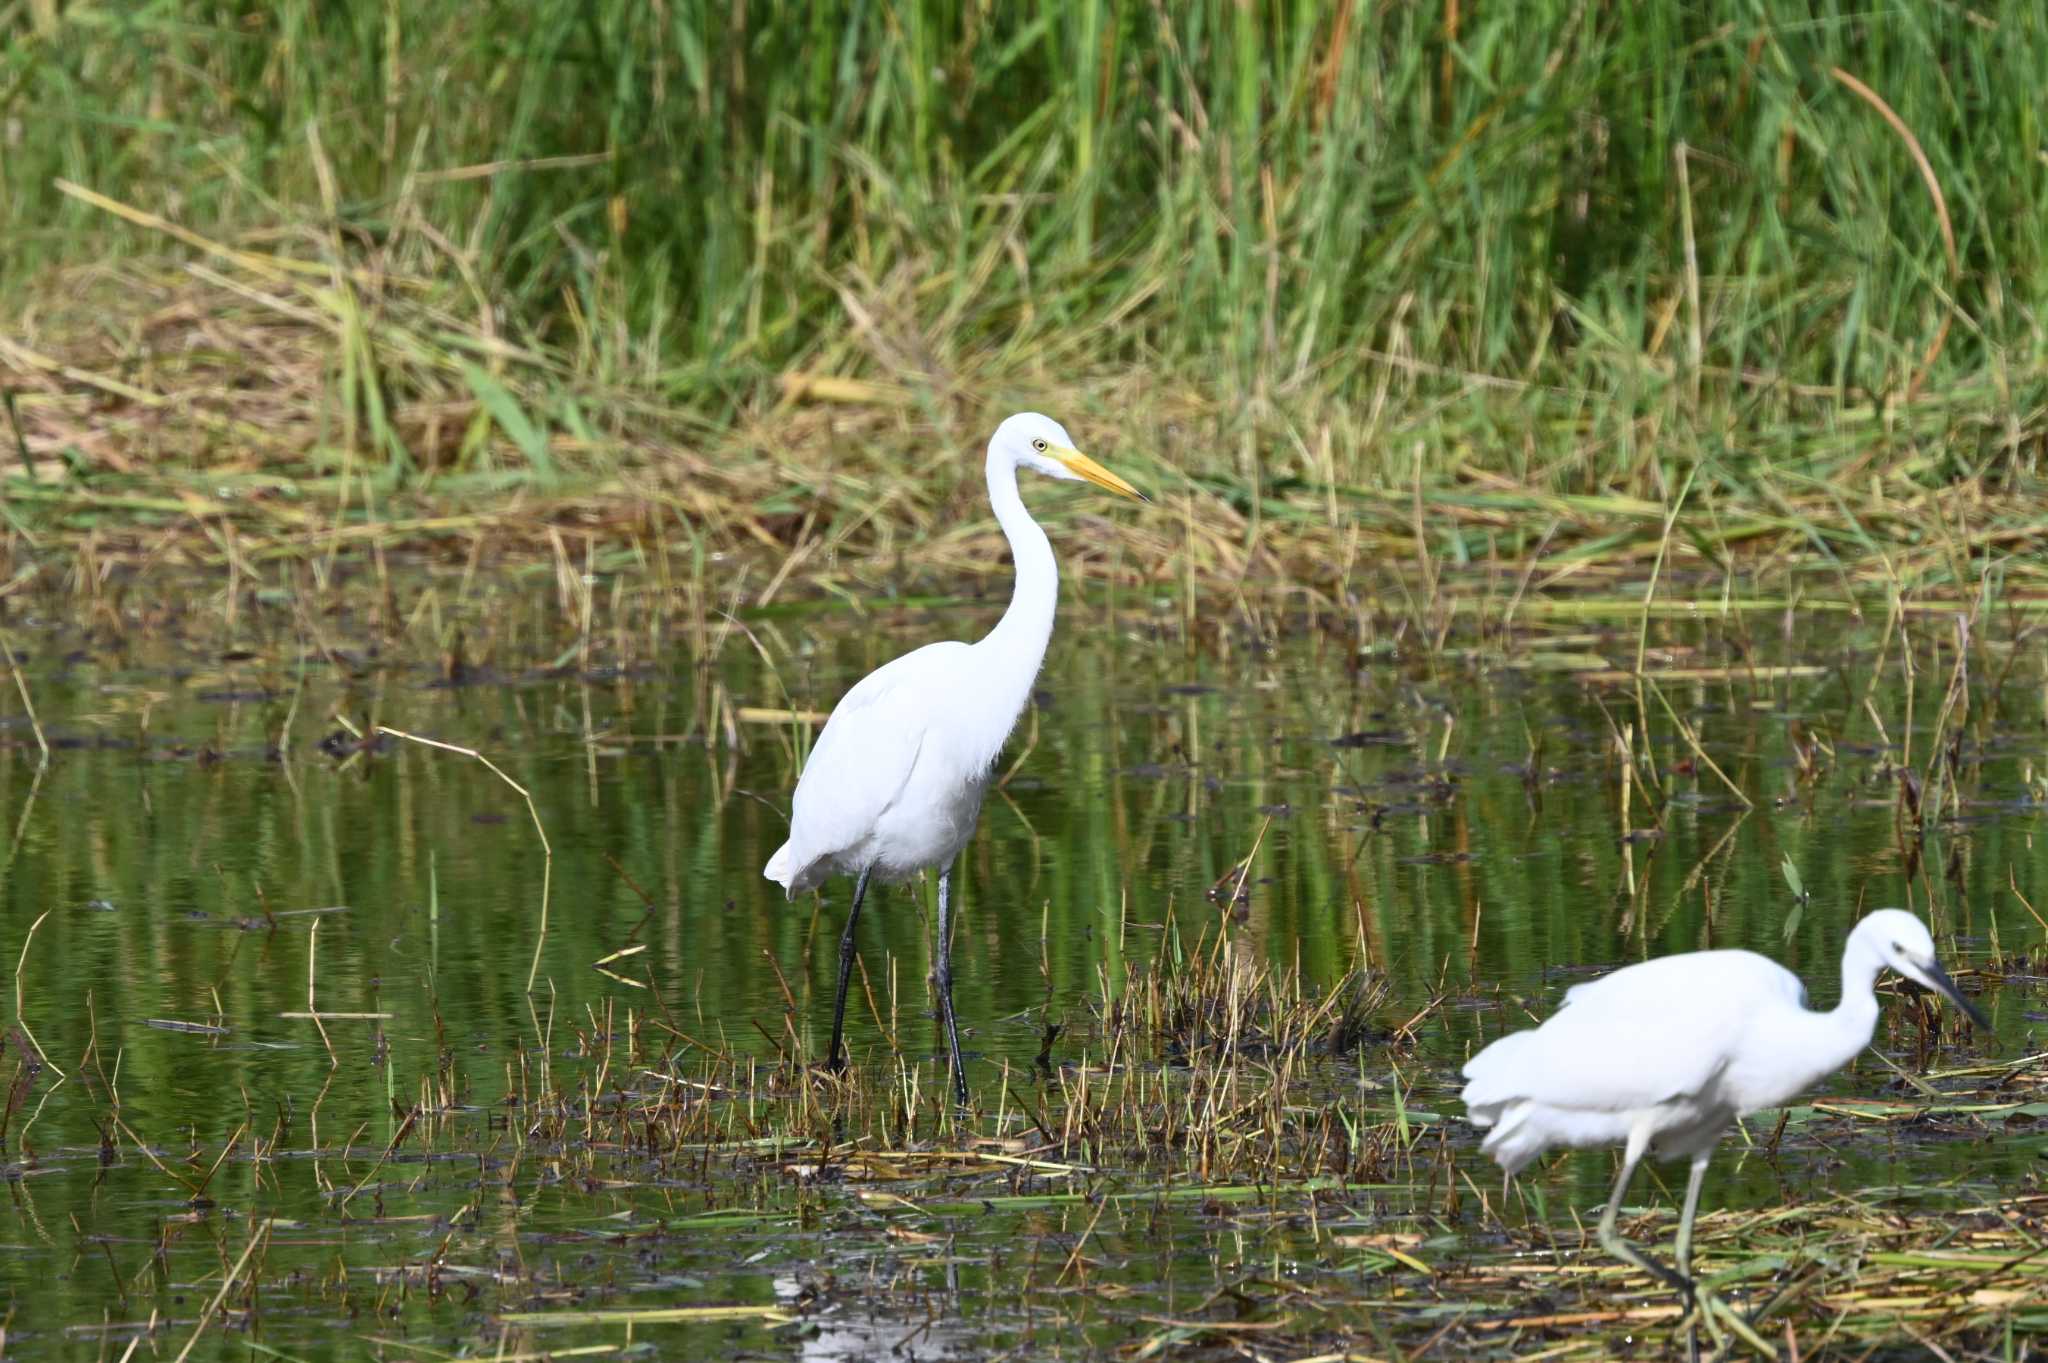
(837, 1055)
(942, 981)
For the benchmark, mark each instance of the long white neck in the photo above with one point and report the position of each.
(1016, 646)
(1849, 1024)
(1815, 1045)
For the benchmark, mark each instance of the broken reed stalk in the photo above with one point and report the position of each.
(1657, 568)
(312, 1006)
(1692, 740)
(313, 1012)
(1933, 183)
(227, 1284)
(21, 1018)
(21, 685)
(547, 850)
(28, 808)
(190, 1187)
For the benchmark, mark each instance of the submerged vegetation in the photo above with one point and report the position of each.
(765, 276)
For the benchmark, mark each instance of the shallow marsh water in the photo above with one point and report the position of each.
(1450, 820)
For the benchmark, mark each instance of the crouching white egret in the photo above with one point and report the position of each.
(1667, 1054)
(894, 783)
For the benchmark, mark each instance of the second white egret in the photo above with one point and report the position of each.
(893, 785)
(1669, 1053)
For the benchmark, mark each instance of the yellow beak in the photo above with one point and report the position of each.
(1084, 467)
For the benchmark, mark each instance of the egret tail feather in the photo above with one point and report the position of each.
(782, 869)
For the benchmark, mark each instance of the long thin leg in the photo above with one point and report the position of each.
(1692, 1206)
(1713, 1312)
(837, 1055)
(1698, 1310)
(942, 982)
(1610, 1237)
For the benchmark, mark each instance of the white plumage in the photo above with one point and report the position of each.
(1685, 1043)
(1668, 1054)
(893, 785)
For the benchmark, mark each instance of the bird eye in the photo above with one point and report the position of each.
(1038, 445)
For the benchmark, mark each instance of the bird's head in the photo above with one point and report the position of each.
(1904, 944)
(1030, 441)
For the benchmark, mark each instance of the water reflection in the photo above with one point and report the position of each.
(1460, 823)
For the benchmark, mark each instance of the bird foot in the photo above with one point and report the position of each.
(1705, 1307)
(830, 1071)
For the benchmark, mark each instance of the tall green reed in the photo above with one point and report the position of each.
(1291, 205)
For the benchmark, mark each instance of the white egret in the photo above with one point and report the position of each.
(894, 783)
(1669, 1053)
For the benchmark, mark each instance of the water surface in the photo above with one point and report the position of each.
(1333, 796)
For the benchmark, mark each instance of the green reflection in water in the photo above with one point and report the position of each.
(1463, 837)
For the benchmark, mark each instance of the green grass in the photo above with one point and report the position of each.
(1292, 251)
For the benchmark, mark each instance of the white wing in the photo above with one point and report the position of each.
(1641, 1036)
(1694, 973)
(863, 758)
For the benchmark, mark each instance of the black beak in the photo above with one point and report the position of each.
(1948, 987)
